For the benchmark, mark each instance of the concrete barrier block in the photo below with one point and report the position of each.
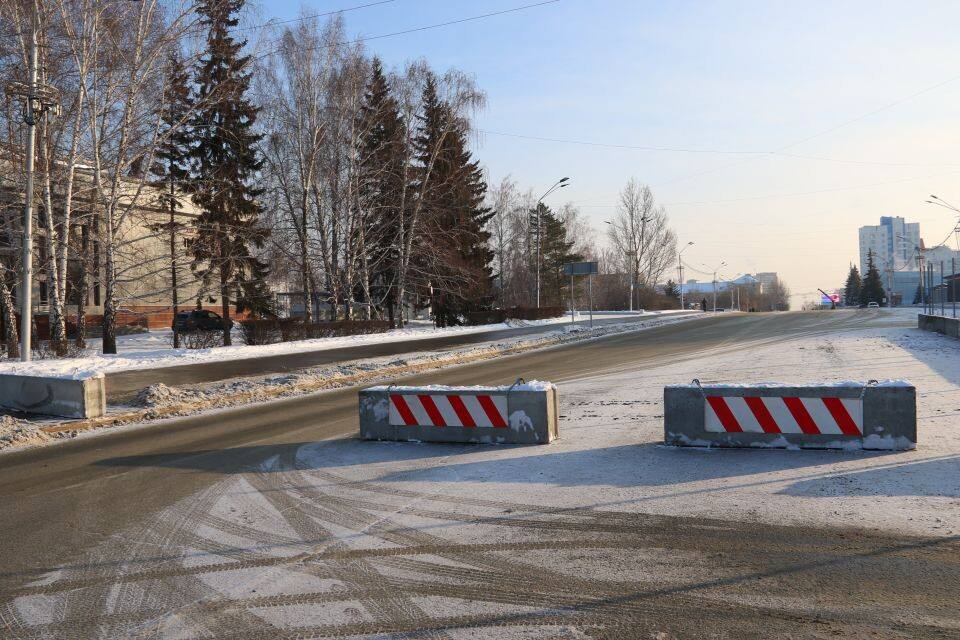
(63, 397)
(525, 413)
(840, 416)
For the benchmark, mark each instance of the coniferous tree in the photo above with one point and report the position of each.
(671, 290)
(173, 163)
(918, 296)
(872, 288)
(455, 245)
(227, 165)
(555, 252)
(852, 290)
(382, 163)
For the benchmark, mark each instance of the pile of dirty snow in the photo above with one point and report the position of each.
(16, 432)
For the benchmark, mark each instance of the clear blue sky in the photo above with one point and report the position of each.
(720, 75)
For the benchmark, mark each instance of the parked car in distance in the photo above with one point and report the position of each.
(198, 320)
(873, 305)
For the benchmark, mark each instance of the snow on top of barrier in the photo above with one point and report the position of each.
(843, 384)
(67, 374)
(532, 385)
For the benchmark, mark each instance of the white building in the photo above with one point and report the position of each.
(894, 243)
(934, 256)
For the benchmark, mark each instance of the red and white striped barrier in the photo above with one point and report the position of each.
(521, 413)
(446, 410)
(841, 415)
(755, 414)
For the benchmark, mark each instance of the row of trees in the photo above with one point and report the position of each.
(306, 168)
(640, 246)
(307, 160)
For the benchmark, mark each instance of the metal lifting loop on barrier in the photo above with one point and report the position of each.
(696, 381)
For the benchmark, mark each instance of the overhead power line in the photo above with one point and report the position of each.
(274, 23)
(453, 22)
(428, 27)
(824, 132)
(632, 147)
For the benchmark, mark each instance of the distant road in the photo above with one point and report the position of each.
(124, 385)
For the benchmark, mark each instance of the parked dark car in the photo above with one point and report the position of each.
(198, 320)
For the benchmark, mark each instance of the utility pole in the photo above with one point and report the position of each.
(680, 270)
(30, 119)
(715, 270)
(37, 100)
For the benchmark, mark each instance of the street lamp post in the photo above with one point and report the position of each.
(715, 271)
(680, 270)
(559, 184)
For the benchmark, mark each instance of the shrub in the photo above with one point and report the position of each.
(274, 330)
(201, 339)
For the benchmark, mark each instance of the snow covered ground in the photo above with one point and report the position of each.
(609, 454)
(154, 349)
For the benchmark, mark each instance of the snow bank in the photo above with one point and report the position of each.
(533, 385)
(840, 384)
(152, 350)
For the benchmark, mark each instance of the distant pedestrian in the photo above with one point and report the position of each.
(703, 305)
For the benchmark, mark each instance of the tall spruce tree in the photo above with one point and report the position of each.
(872, 288)
(174, 163)
(227, 164)
(555, 252)
(456, 244)
(382, 167)
(852, 291)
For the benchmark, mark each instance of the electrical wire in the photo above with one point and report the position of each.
(425, 27)
(605, 145)
(274, 23)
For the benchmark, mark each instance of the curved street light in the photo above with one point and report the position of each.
(559, 184)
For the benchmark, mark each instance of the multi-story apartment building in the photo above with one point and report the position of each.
(893, 243)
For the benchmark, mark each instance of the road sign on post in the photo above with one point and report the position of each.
(580, 269)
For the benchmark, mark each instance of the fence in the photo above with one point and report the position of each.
(939, 290)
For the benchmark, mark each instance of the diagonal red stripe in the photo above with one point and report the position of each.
(762, 414)
(839, 412)
(492, 412)
(431, 408)
(801, 415)
(461, 410)
(727, 419)
(405, 414)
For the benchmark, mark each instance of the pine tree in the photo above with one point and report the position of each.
(455, 245)
(382, 163)
(918, 296)
(555, 252)
(872, 288)
(852, 291)
(173, 167)
(227, 164)
(671, 290)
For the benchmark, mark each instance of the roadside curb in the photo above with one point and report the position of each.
(284, 389)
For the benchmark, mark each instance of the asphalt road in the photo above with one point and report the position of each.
(128, 535)
(124, 385)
